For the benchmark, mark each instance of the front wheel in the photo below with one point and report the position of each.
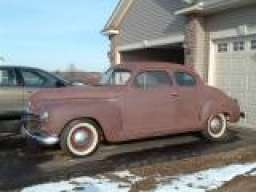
(216, 128)
(80, 138)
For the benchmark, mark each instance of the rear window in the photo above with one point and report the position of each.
(185, 79)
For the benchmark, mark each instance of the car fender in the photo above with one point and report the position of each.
(211, 108)
(106, 113)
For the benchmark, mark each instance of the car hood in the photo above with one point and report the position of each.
(70, 93)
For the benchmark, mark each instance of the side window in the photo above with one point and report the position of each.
(152, 79)
(33, 79)
(185, 79)
(7, 78)
(120, 77)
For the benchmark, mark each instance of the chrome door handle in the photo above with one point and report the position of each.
(174, 94)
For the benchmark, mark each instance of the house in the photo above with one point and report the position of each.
(218, 37)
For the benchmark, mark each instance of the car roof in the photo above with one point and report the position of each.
(19, 67)
(133, 66)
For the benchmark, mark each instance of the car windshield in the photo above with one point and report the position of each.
(115, 77)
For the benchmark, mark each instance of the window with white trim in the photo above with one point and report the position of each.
(253, 44)
(238, 45)
(222, 47)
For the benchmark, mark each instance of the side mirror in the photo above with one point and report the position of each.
(60, 84)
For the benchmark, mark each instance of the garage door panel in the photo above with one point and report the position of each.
(235, 73)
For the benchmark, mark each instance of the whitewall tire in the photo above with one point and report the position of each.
(216, 128)
(80, 138)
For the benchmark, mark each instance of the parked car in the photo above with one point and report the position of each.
(17, 84)
(132, 102)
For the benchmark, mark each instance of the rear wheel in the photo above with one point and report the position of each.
(80, 138)
(216, 128)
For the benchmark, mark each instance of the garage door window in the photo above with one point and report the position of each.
(152, 79)
(222, 47)
(239, 45)
(253, 44)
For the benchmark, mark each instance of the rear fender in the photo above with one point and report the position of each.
(212, 108)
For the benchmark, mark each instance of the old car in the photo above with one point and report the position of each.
(132, 102)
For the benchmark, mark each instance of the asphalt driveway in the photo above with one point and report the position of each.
(24, 163)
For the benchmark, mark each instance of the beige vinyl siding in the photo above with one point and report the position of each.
(151, 19)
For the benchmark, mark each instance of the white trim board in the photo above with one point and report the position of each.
(152, 43)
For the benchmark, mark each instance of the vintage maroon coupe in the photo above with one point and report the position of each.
(132, 102)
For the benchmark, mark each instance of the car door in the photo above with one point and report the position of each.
(36, 79)
(188, 103)
(150, 105)
(11, 95)
(33, 80)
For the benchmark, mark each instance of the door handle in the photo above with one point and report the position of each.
(30, 91)
(174, 94)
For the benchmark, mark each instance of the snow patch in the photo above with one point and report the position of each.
(197, 182)
(83, 184)
(128, 175)
(204, 180)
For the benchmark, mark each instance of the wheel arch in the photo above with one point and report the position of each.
(213, 108)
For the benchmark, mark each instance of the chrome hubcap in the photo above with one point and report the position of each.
(81, 137)
(216, 125)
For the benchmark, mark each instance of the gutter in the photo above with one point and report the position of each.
(210, 6)
(110, 32)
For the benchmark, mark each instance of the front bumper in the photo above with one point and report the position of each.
(31, 128)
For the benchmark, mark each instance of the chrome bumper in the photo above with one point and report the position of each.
(38, 135)
(42, 139)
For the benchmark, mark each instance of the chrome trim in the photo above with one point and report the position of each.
(45, 140)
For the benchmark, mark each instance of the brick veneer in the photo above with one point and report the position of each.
(197, 44)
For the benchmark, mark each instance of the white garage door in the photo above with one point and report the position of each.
(235, 72)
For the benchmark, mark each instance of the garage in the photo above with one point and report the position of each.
(235, 72)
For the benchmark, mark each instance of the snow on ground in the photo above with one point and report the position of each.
(197, 182)
(205, 180)
(84, 184)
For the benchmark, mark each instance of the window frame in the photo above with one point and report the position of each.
(253, 44)
(15, 78)
(190, 74)
(33, 72)
(221, 49)
(239, 45)
(134, 84)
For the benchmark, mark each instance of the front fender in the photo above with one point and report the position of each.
(107, 114)
(213, 108)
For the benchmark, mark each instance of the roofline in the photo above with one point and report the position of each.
(117, 16)
(206, 7)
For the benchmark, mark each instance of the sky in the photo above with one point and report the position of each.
(52, 34)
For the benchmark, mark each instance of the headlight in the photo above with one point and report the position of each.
(44, 116)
